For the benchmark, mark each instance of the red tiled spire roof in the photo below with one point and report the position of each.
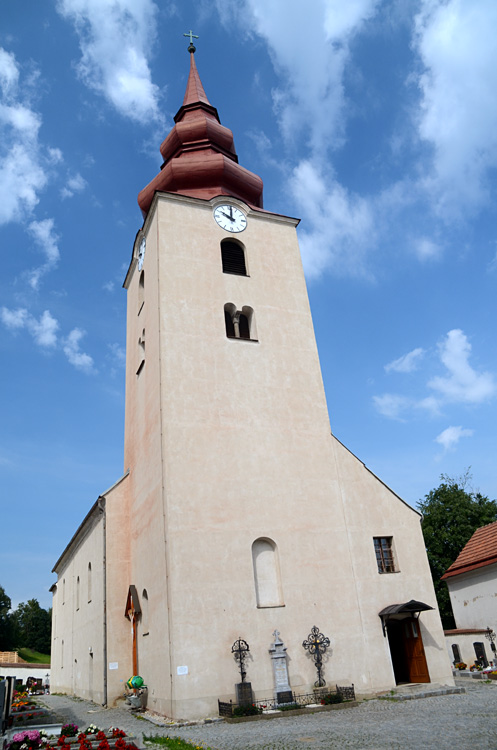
(481, 550)
(199, 154)
(194, 90)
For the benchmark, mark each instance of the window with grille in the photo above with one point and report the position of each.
(384, 554)
(233, 257)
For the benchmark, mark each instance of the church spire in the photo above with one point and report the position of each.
(199, 153)
(194, 89)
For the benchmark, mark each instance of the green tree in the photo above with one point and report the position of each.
(451, 514)
(5, 621)
(32, 626)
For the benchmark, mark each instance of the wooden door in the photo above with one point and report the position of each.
(415, 652)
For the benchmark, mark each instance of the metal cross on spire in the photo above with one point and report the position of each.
(191, 46)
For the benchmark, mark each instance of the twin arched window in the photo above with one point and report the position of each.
(240, 324)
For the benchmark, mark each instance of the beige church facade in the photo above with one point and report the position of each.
(239, 513)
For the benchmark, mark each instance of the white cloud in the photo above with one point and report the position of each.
(392, 405)
(463, 383)
(426, 249)
(116, 37)
(24, 162)
(14, 319)
(44, 235)
(75, 356)
(458, 112)
(43, 331)
(407, 363)
(117, 353)
(73, 185)
(342, 225)
(9, 72)
(309, 45)
(108, 286)
(451, 436)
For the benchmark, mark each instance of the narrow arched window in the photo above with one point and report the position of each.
(229, 312)
(144, 604)
(141, 291)
(89, 582)
(233, 257)
(244, 327)
(267, 581)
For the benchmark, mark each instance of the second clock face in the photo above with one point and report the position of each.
(230, 218)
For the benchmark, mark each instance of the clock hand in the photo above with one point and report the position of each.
(231, 213)
(227, 216)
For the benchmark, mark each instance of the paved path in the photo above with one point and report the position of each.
(448, 722)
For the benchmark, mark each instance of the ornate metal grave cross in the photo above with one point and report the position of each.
(317, 644)
(191, 46)
(240, 650)
(491, 637)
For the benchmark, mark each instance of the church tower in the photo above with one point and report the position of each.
(239, 513)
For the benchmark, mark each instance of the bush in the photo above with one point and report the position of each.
(330, 698)
(69, 730)
(174, 743)
(250, 710)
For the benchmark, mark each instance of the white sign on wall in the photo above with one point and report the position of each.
(181, 670)
(113, 665)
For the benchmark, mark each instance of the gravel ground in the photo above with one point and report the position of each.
(446, 722)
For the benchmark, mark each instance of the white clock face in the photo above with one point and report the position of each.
(141, 253)
(230, 218)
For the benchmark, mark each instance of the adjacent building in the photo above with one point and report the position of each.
(472, 584)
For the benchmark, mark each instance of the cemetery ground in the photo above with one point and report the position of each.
(446, 722)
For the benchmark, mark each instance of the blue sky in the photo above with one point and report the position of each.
(374, 122)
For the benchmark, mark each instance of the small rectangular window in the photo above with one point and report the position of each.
(384, 554)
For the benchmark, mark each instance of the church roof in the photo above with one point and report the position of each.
(199, 154)
(480, 551)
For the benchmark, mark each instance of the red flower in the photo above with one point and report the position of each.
(118, 732)
(101, 735)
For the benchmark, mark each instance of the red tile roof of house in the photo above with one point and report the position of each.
(481, 550)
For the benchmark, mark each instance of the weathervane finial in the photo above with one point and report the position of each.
(191, 46)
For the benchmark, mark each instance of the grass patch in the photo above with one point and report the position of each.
(34, 657)
(175, 743)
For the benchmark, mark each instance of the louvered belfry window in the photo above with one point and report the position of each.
(233, 257)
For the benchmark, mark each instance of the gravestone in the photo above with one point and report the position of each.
(244, 693)
(282, 689)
